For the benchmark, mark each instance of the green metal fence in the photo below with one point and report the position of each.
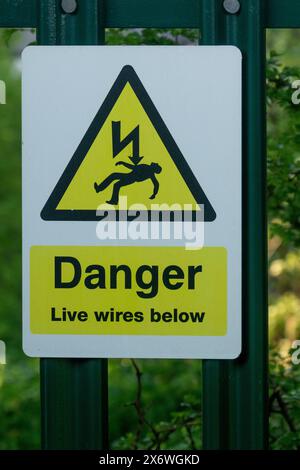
(74, 392)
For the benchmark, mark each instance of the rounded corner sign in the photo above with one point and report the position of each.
(132, 201)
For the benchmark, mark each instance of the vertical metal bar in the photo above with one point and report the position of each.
(215, 374)
(236, 392)
(249, 374)
(73, 391)
(74, 404)
(212, 23)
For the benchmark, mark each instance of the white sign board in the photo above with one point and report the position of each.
(132, 201)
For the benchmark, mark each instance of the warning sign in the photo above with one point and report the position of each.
(128, 290)
(132, 201)
(127, 151)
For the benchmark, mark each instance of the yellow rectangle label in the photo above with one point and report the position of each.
(165, 291)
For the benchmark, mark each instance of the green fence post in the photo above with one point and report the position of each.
(235, 393)
(215, 375)
(73, 391)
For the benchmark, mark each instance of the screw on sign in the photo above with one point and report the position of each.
(69, 6)
(232, 6)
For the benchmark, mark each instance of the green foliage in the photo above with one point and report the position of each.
(157, 403)
(284, 288)
(151, 36)
(283, 152)
(19, 388)
(284, 403)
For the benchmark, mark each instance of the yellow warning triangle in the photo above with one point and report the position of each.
(126, 152)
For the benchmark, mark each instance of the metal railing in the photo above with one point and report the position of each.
(74, 392)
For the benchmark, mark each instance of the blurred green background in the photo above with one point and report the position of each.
(163, 409)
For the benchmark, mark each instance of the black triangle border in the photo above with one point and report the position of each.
(127, 75)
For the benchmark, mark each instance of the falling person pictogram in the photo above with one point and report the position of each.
(126, 119)
(138, 173)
